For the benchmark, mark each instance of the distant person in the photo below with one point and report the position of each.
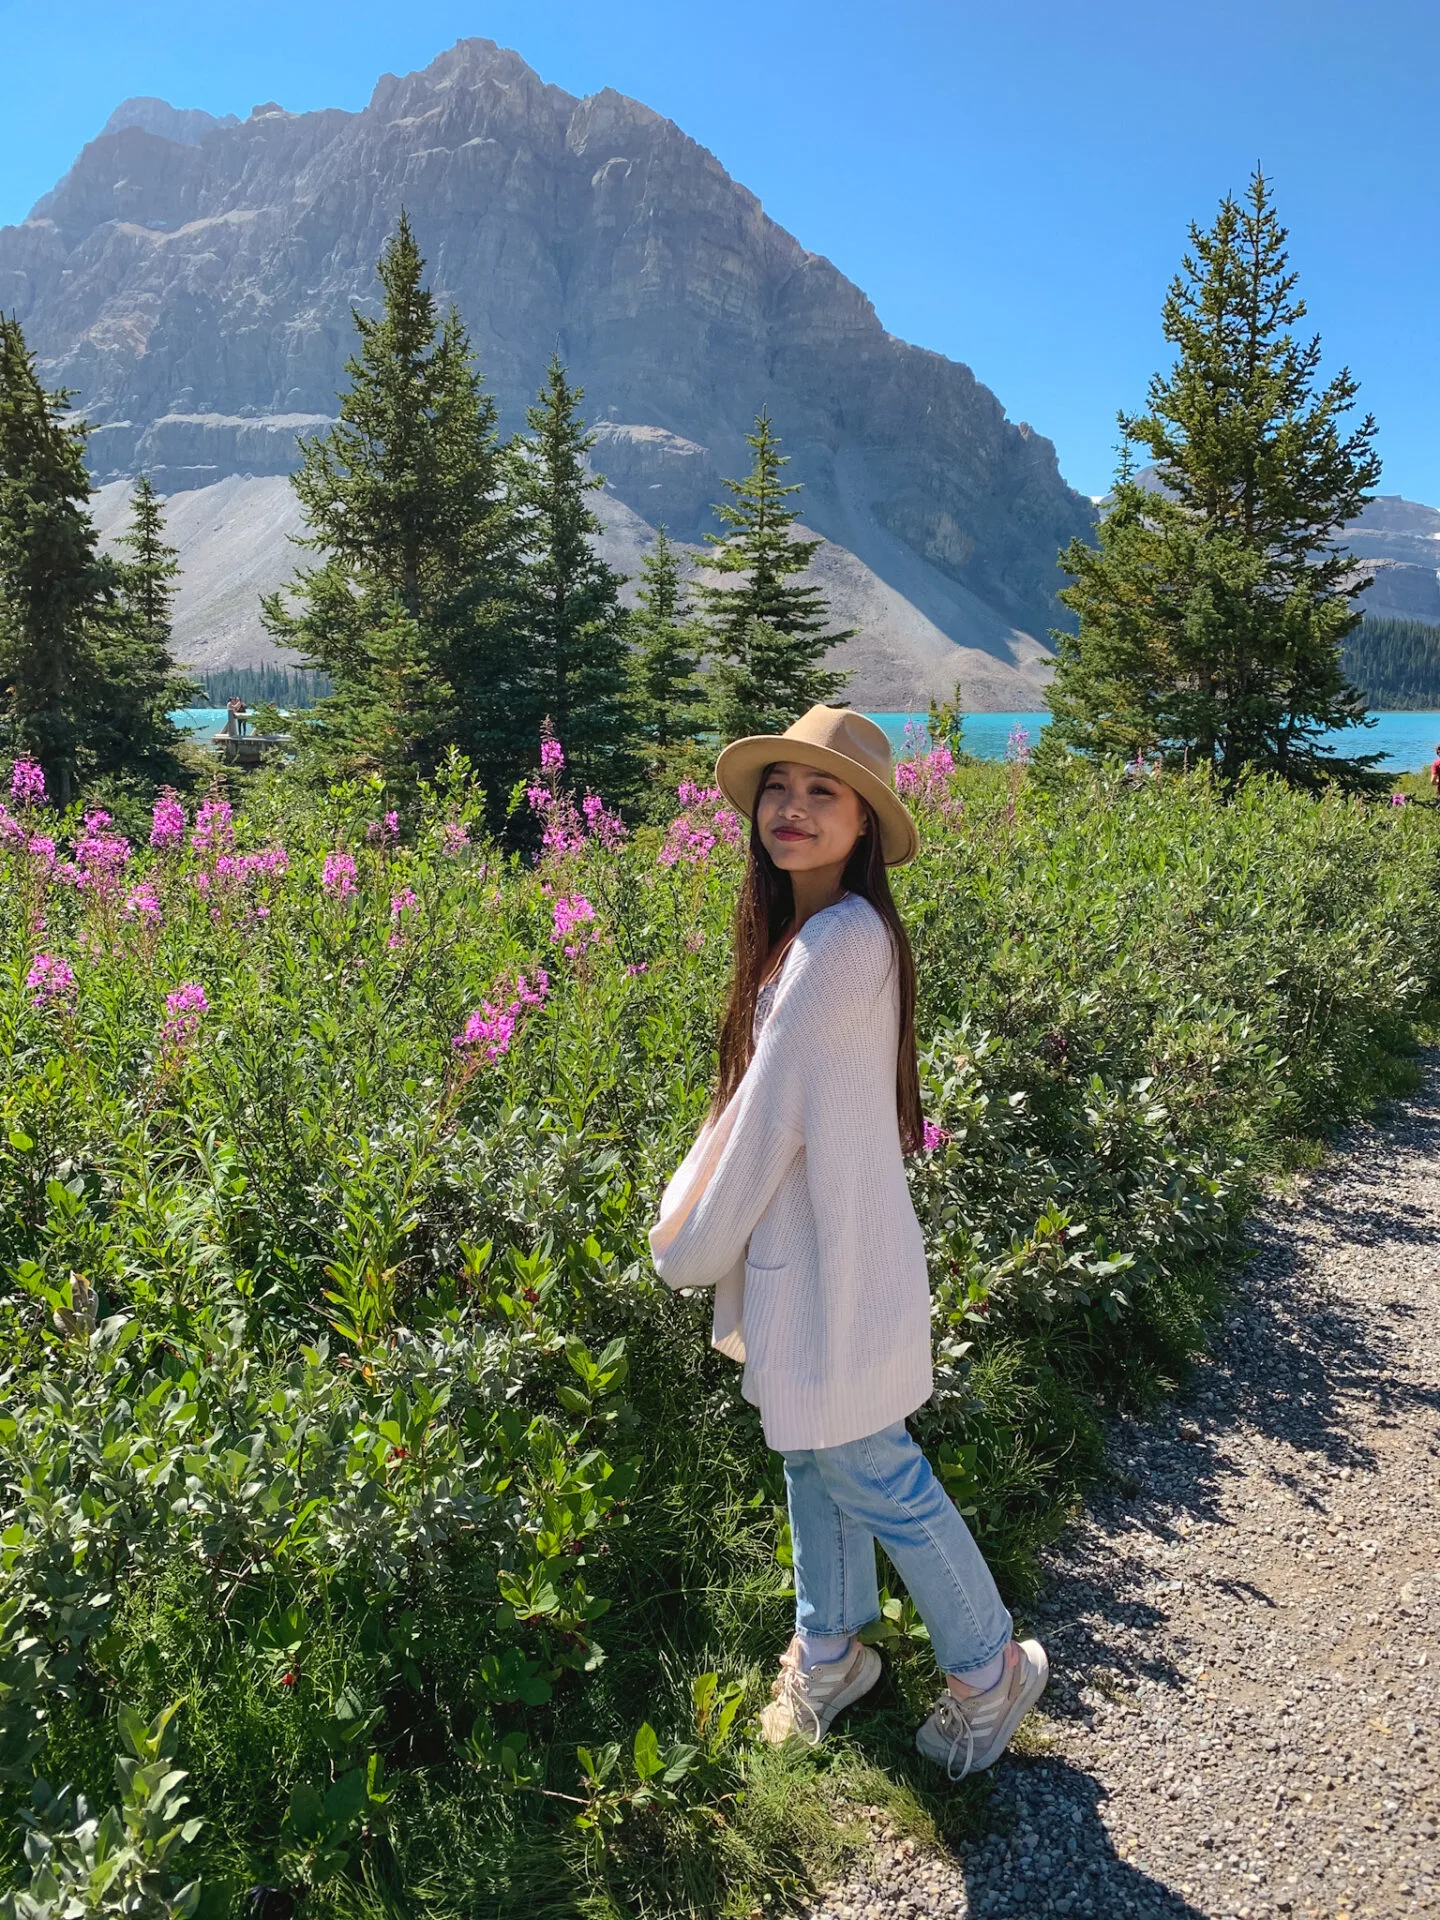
(1435, 776)
(793, 1204)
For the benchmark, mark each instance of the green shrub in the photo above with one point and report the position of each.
(342, 1407)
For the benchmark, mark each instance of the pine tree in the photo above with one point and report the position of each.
(768, 631)
(132, 729)
(409, 612)
(80, 688)
(1213, 611)
(574, 623)
(53, 583)
(668, 641)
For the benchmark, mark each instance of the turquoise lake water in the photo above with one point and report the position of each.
(1407, 740)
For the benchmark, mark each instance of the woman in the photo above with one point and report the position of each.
(793, 1205)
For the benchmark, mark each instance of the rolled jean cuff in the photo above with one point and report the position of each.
(975, 1666)
(834, 1633)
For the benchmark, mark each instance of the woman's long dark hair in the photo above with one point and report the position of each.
(763, 913)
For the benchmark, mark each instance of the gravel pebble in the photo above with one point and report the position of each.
(1243, 1720)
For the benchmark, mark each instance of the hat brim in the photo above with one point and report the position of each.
(738, 770)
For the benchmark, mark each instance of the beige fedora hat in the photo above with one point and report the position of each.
(837, 740)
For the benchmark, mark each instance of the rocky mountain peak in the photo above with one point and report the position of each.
(186, 126)
(197, 294)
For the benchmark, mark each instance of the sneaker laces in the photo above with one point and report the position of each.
(788, 1687)
(952, 1713)
(955, 1711)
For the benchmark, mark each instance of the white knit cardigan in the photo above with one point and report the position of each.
(794, 1205)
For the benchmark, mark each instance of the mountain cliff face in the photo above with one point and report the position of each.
(193, 280)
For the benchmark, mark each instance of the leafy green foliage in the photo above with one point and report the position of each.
(341, 1403)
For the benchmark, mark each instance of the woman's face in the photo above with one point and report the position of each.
(807, 819)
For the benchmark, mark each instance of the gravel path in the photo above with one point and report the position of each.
(1244, 1631)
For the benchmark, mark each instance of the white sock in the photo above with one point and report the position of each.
(817, 1648)
(987, 1676)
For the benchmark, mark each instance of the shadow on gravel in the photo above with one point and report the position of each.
(1049, 1852)
(1289, 1364)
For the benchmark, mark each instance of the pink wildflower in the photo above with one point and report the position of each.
(143, 903)
(689, 795)
(214, 827)
(925, 780)
(27, 783)
(167, 821)
(384, 832)
(42, 848)
(1017, 747)
(637, 966)
(237, 869)
(552, 756)
(492, 1028)
(573, 914)
(1399, 799)
(602, 826)
(454, 838)
(51, 979)
(401, 903)
(99, 857)
(183, 1009)
(12, 833)
(935, 1136)
(686, 841)
(338, 878)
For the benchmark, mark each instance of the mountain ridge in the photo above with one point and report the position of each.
(197, 295)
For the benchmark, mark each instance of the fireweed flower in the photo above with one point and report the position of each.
(573, 914)
(637, 966)
(27, 784)
(692, 839)
(608, 829)
(143, 903)
(12, 832)
(401, 903)
(338, 878)
(214, 827)
(935, 1136)
(167, 822)
(689, 795)
(925, 781)
(1399, 799)
(100, 857)
(50, 980)
(383, 833)
(454, 838)
(236, 870)
(552, 756)
(42, 848)
(1017, 746)
(183, 1009)
(491, 1029)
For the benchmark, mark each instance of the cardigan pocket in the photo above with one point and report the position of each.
(764, 1287)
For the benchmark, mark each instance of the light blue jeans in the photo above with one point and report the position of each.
(842, 1500)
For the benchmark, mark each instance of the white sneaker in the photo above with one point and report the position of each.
(975, 1732)
(803, 1704)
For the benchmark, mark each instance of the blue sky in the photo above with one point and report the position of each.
(1009, 183)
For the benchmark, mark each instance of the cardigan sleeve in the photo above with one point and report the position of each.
(814, 1083)
(764, 1135)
